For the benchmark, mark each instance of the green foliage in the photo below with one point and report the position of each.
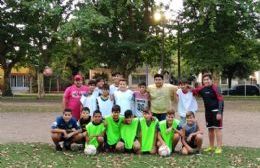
(215, 32)
(113, 33)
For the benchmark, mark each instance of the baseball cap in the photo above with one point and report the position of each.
(77, 77)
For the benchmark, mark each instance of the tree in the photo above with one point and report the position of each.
(114, 32)
(215, 31)
(15, 38)
(27, 30)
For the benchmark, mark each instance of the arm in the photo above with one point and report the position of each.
(219, 98)
(184, 141)
(199, 131)
(160, 139)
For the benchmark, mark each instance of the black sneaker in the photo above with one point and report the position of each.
(67, 145)
(58, 148)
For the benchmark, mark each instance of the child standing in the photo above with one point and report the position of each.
(128, 131)
(104, 102)
(192, 135)
(186, 100)
(123, 97)
(169, 133)
(95, 131)
(113, 123)
(90, 100)
(148, 132)
(65, 129)
(141, 100)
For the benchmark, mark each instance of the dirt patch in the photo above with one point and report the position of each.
(241, 123)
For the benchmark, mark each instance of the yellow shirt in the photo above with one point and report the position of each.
(162, 98)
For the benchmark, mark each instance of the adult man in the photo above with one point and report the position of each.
(72, 95)
(162, 96)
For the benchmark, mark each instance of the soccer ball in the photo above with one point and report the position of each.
(47, 71)
(164, 150)
(90, 150)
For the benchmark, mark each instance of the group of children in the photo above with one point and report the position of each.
(127, 133)
(120, 120)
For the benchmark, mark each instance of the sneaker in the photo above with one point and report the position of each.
(209, 149)
(58, 148)
(218, 150)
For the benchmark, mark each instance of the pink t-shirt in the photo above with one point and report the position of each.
(73, 94)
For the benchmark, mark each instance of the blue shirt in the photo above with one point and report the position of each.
(61, 124)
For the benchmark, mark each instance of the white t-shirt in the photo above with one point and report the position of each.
(124, 100)
(89, 101)
(112, 89)
(105, 106)
(187, 102)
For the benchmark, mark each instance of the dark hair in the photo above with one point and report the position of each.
(92, 82)
(170, 112)
(158, 76)
(190, 113)
(99, 79)
(67, 110)
(86, 109)
(128, 113)
(116, 108)
(142, 84)
(207, 75)
(116, 73)
(123, 80)
(184, 81)
(105, 87)
(97, 112)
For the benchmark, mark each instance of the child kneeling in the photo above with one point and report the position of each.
(128, 131)
(192, 135)
(65, 129)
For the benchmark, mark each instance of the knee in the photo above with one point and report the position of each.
(56, 136)
(137, 145)
(158, 144)
(199, 137)
(184, 151)
(176, 137)
(120, 146)
(100, 139)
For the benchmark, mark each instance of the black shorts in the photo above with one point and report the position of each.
(192, 143)
(211, 119)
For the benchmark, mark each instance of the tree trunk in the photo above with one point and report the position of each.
(40, 81)
(7, 91)
(229, 82)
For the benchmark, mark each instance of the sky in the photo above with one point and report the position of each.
(175, 6)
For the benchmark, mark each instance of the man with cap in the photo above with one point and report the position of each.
(72, 95)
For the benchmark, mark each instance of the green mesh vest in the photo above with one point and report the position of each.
(148, 133)
(93, 130)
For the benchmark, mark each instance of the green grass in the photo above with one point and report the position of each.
(44, 155)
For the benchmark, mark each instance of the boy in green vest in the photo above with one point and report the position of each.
(112, 124)
(169, 131)
(148, 133)
(95, 131)
(128, 132)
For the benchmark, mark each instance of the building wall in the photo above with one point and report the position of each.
(20, 74)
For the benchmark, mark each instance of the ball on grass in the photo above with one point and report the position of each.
(90, 150)
(164, 150)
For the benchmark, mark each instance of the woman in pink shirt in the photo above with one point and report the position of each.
(72, 95)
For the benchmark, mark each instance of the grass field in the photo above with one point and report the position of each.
(44, 155)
